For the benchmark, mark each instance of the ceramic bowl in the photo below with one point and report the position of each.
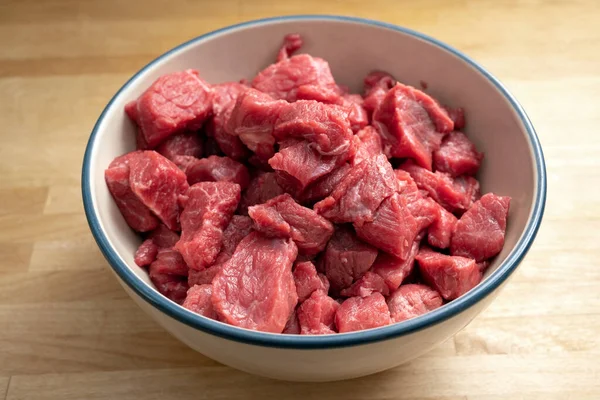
(496, 122)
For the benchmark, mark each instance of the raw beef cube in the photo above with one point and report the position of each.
(424, 211)
(325, 185)
(346, 258)
(394, 270)
(457, 156)
(173, 103)
(169, 261)
(358, 313)
(225, 96)
(411, 124)
(357, 197)
(137, 215)
(262, 188)
(146, 253)
(184, 162)
(298, 77)
(283, 217)
(412, 300)
(393, 228)
(451, 276)
(457, 115)
(140, 141)
(241, 296)
(440, 231)
(218, 169)
(308, 280)
(211, 147)
(368, 284)
(408, 187)
(204, 277)
(316, 314)
(453, 194)
(181, 144)
(479, 233)
(368, 144)
(199, 301)
(357, 115)
(169, 274)
(291, 44)
(253, 118)
(376, 86)
(325, 126)
(163, 237)
(206, 214)
(292, 327)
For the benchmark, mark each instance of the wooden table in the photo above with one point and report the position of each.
(68, 331)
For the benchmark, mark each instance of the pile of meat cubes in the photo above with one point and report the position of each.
(289, 205)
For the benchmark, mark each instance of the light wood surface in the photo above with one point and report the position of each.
(68, 331)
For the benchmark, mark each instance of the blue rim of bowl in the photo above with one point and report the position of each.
(339, 340)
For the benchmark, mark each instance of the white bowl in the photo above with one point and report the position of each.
(513, 166)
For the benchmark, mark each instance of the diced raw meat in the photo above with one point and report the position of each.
(308, 280)
(325, 126)
(453, 194)
(169, 261)
(218, 169)
(325, 185)
(225, 96)
(457, 156)
(357, 197)
(316, 314)
(283, 217)
(299, 165)
(240, 295)
(346, 258)
(184, 162)
(137, 215)
(298, 77)
(358, 313)
(169, 274)
(394, 270)
(412, 300)
(368, 284)
(407, 184)
(479, 233)
(211, 147)
(292, 327)
(146, 253)
(206, 214)
(262, 188)
(181, 144)
(291, 44)
(204, 277)
(457, 115)
(440, 231)
(163, 237)
(199, 301)
(357, 116)
(411, 124)
(173, 103)
(452, 276)
(140, 141)
(424, 211)
(376, 86)
(368, 144)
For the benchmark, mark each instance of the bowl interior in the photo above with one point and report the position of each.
(352, 48)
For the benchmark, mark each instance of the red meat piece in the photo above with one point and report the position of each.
(479, 233)
(204, 277)
(358, 313)
(173, 103)
(262, 188)
(440, 231)
(292, 327)
(207, 212)
(457, 115)
(412, 300)
(218, 169)
(368, 144)
(146, 253)
(357, 115)
(240, 295)
(346, 258)
(453, 194)
(325, 185)
(411, 124)
(169, 274)
(394, 270)
(368, 284)
(137, 215)
(356, 198)
(451, 276)
(457, 156)
(408, 187)
(316, 315)
(225, 96)
(181, 144)
(298, 77)
(283, 217)
(163, 237)
(424, 210)
(291, 44)
(298, 165)
(308, 280)
(198, 300)
(376, 86)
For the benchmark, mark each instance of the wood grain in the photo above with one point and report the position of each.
(67, 329)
